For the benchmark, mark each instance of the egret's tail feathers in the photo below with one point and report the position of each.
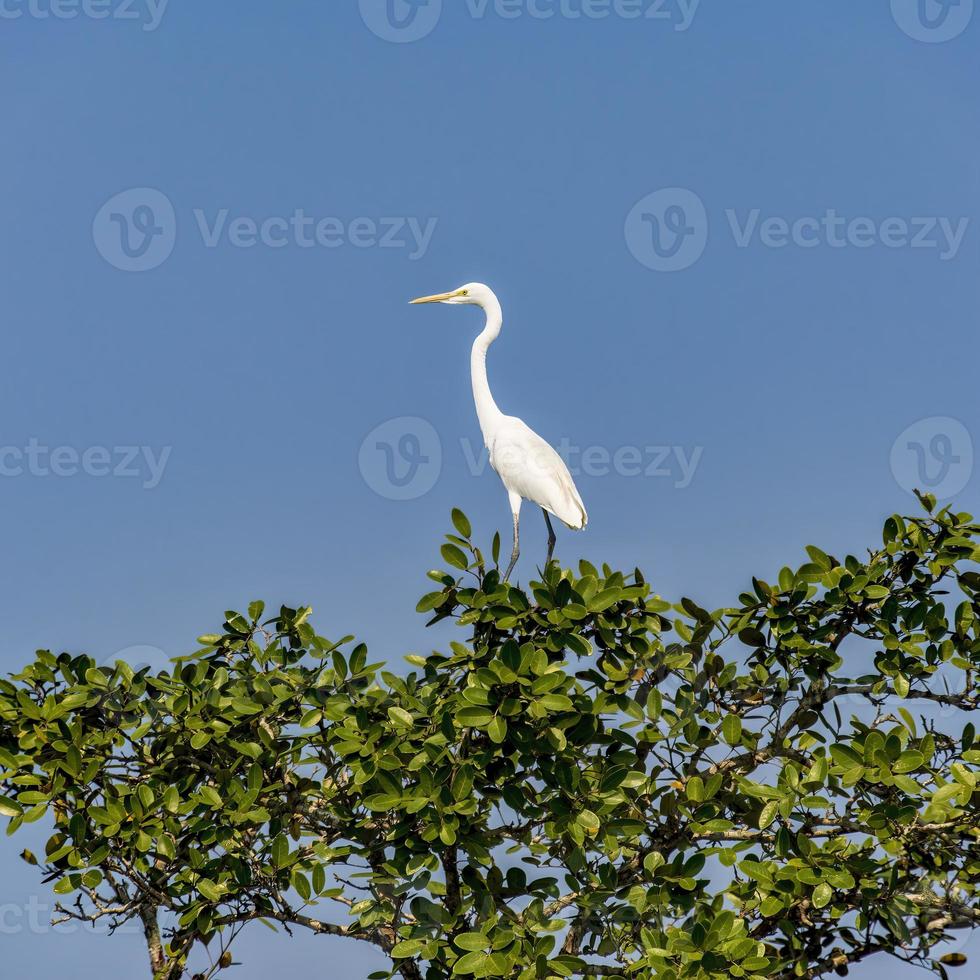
(571, 512)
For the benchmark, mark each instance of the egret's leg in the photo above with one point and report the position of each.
(551, 536)
(515, 506)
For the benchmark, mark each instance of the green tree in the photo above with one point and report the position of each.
(592, 782)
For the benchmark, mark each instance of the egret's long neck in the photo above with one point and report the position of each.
(486, 408)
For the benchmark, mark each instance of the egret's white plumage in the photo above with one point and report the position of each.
(528, 466)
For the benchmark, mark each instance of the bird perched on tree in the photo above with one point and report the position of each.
(528, 466)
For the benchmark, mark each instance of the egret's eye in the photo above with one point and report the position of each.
(465, 292)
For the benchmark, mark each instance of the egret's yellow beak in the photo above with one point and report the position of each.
(437, 298)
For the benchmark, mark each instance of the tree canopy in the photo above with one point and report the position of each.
(592, 781)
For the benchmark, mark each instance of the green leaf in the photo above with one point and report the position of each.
(428, 602)
(406, 948)
(604, 599)
(953, 959)
(212, 796)
(311, 719)
(469, 963)
(209, 890)
(280, 851)
(9, 807)
(319, 878)
(655, 704)
(302, 885)
(497, 730)
(454, 556)
(945, 793)
(171, 799)
(846, 757)
(556, 702)
(474, 717)
(731, 728)
(909, 761)
(695, 789)
(819, 558)
(653, 861)
(401, 717)
(771, 905)
(768, 814)
(909, 721)
(462, 524)
(472, 941)
(964, 776)
(822, 895)
(382, 802)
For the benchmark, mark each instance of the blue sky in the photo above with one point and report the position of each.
(736, 250)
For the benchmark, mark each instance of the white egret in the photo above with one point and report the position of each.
(528, 466)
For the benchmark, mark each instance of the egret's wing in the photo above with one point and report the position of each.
(529, 466)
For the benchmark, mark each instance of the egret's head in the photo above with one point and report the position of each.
(472, 294)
